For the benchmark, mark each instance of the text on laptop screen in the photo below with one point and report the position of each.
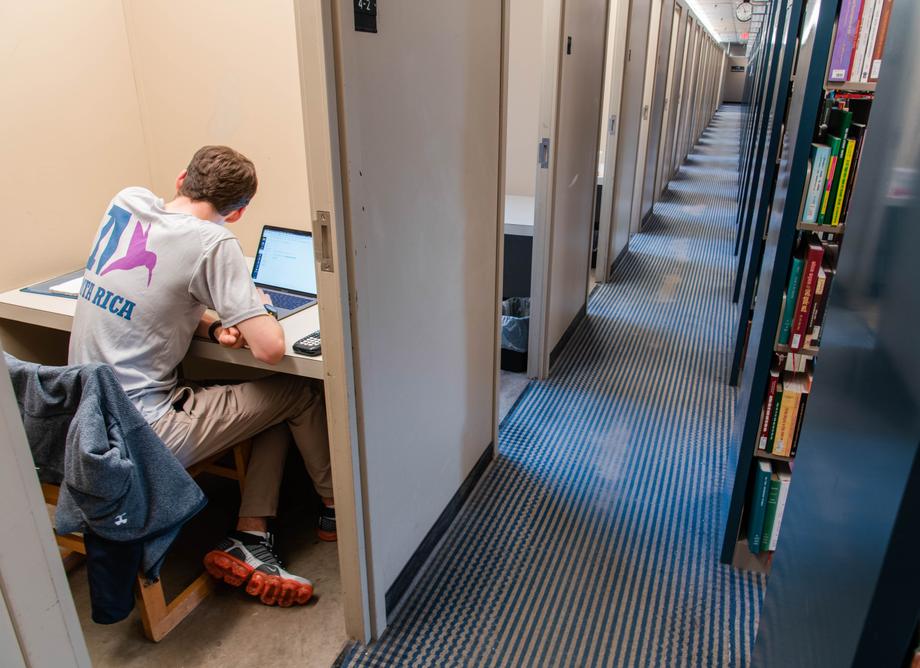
(285, 260)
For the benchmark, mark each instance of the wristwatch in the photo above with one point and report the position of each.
(212, 329)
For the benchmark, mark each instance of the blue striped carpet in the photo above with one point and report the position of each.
(593, 539)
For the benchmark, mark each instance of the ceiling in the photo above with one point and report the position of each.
(721, 15)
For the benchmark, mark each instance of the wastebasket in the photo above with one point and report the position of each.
(515, 333)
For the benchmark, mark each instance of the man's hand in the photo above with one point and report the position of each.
(230, 337)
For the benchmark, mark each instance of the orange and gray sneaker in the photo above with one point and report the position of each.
(325, 530)
(246, 559)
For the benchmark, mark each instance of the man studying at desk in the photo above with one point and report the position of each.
(153, 270)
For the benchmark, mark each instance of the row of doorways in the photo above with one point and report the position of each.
(603, 102)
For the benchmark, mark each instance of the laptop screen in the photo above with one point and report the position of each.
(285, 260)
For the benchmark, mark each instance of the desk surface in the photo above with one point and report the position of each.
(57, 313)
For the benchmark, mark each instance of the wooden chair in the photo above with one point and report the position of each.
(158, 616)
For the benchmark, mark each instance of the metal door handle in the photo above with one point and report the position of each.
(323, 250)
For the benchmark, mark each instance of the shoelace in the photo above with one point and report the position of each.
(267, 553)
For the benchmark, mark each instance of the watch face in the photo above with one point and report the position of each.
(744, 11)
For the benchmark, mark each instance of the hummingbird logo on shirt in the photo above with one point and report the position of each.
(137, 254)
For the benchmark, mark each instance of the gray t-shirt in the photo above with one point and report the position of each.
(150, 276)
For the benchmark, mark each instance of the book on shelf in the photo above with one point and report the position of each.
(838, 125)
(769, 513)
(814, 254)
(800, 418)
(834, 142)
(792, 290)
(814, 335)
(767, 418)
(820, 157)
(879, 48)
(816, 303)
(862, 39)
(793, 389)
(758, 506)
(784, 478)
(857, 134)
(843, 184)
(874, 21)
(845, 41)
(774, 418)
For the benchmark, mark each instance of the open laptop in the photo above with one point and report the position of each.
(284, 269)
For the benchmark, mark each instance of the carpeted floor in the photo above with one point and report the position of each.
(593, 539)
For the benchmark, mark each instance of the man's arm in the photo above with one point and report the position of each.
(263, 334)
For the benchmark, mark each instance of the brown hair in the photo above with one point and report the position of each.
(221, 176)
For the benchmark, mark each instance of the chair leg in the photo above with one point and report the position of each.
(158, 617)
(241, 461)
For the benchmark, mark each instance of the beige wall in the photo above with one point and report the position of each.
(70, 131)
(525, 53)
(96, 96)
(223, 72)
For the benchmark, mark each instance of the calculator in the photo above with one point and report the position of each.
(309, 345)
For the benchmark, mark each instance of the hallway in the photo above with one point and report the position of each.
(593, 538)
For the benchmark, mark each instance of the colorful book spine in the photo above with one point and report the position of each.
(820, 157)
(821, 309)
(815, 305)
(768, 410)
(870, 44)
(835, 143)
(857, 133)
(862, 39)
(792, 291)
(774, 420)
(799, 421)
(879, 49)
(844, 43)
(758, 506)
(785, 426)
(844, 184)
(813, 257)
(769, 514)
(785, 479)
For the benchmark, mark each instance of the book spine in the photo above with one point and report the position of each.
(758, 507)
(862, 39)
(784, 428)
(844, 184)
(820, 310)
(780, 511)
(879, 49)
(797, 428)
(815, 304)
(769, 514)
(835, 143)
(774, 420)
(870, 44)
(842, 54)
(854, 169)
(768, 412)
(820, 158)
(806, 296)
(792, 291)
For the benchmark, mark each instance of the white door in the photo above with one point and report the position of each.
(573, 64)
(617, 34)
(648, 92)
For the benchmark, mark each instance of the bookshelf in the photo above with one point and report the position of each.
(786, 265)
(783, 21)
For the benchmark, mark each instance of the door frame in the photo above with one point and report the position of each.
(617, 30)
(544, 196)
(319, 90)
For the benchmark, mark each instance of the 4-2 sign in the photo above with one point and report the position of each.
(366, 15)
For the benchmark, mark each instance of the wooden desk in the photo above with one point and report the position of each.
(54, 312)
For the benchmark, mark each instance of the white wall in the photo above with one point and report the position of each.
(421, 140)
(525, 51)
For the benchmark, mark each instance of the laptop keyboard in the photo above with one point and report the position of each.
(286, 301)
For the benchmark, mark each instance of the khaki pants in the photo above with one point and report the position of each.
(206, 420)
